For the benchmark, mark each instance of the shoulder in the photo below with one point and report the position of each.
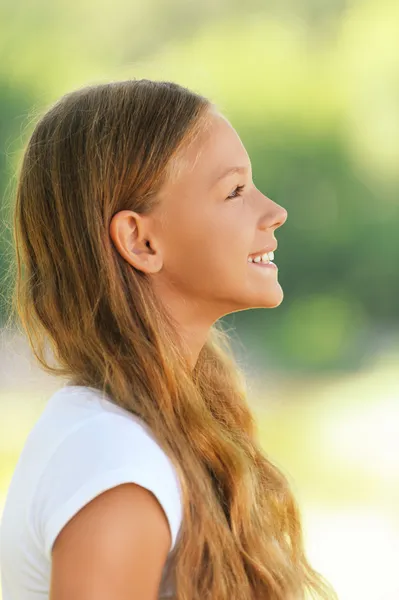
(104, 451)
(115, 546)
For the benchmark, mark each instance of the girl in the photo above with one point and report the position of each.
(138, 226)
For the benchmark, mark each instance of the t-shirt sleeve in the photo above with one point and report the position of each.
(103, 452)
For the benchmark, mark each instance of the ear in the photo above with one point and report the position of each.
(130, 234)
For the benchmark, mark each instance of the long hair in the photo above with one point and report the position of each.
(98, 150)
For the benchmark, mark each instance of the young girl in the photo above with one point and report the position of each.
(138, 226)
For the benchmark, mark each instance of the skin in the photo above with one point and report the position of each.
(195, 247)
(114, 547)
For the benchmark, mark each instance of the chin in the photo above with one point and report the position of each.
(270, 304)
(271, 300)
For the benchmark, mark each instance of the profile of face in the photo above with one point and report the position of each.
(197, 242)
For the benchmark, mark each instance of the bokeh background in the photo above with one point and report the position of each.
(312, 88)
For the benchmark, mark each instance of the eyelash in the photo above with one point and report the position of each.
(239, 188)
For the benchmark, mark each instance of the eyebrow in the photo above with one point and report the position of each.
(231, 171)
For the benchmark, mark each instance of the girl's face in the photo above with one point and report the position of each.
(208, 223)
(196, 243)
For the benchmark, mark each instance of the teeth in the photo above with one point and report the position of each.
(265, 258)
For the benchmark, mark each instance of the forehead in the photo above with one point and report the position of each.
(215, 150)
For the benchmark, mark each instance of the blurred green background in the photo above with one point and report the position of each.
(312, 88)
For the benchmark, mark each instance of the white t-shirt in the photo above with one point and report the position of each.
(81, 445)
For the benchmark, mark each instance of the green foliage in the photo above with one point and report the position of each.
(311, 88)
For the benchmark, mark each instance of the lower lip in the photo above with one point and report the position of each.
(269, 265)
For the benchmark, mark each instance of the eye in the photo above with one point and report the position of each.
(238, 189)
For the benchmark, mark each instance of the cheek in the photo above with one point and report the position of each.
(196, 261)
(208, 251)
(218, 258)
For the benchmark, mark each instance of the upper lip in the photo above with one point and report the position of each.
(269, 248)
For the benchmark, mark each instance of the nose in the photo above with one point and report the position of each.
(274, 216)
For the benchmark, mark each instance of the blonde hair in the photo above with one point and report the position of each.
(96, 151)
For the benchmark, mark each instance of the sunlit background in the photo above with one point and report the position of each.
(312, 88)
